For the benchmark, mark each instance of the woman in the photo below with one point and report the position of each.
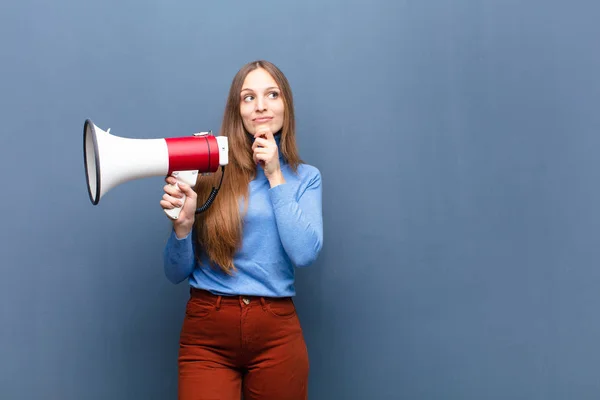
(241, 333)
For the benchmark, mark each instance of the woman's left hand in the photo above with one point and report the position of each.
(266, 154)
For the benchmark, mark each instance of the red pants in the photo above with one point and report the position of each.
(241, 344)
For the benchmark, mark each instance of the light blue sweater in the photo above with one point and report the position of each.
(282, 229)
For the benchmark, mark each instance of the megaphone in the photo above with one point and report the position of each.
(111, 160)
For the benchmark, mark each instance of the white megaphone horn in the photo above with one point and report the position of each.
(111, 160)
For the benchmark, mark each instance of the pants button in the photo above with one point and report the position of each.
(246, 300)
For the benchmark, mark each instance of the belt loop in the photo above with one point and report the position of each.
(218, 302)
(263, 303)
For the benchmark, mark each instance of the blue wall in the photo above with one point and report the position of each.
(458, 142)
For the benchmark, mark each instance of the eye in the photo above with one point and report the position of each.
(248, 98)
(273, 95)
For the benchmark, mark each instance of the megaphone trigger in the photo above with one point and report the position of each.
(187, 177)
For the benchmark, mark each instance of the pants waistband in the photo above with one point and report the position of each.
(234, 299)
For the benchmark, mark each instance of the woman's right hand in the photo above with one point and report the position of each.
(173, 198)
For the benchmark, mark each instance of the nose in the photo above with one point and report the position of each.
(261, 104)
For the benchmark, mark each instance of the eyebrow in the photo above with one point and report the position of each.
(269, 88)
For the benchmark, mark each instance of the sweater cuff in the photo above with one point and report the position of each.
(282, 194)
(180, 244)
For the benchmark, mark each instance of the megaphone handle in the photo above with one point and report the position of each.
(188, 177)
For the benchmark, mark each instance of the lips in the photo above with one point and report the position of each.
(260, 120)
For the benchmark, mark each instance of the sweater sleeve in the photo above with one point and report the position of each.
(178, 258)
(299, 222)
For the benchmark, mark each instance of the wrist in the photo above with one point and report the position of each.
(276, 179)
(182, 230)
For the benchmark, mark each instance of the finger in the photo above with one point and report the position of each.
(166, 205)
(262, 157)
(262, 150)
(262, 131)
(172, 190)
(171, 202)
(254, 157)
(170, 179)
(187, 190)
(268, 135)
(260, 142)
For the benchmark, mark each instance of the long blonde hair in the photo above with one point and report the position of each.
(219, 229)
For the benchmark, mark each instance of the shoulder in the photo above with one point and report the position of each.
(308, 172)
(309, 177)
(306, 177)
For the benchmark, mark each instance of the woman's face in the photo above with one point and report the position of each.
(261, 104)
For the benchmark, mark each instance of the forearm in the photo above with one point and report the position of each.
(178, 257)
(299, 224)
(277, 179)
(183, 230)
